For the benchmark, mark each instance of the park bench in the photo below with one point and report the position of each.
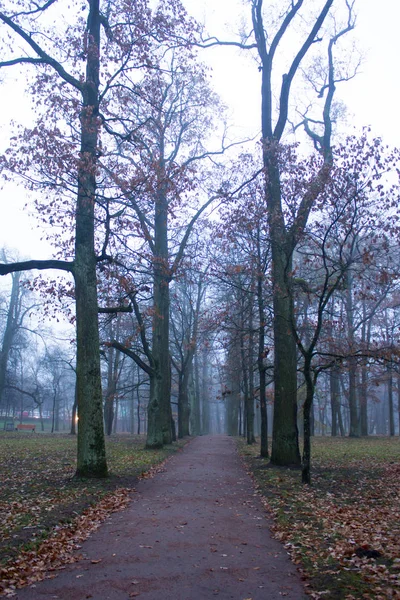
(22, 427)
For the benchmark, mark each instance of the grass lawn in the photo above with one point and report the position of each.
(44, 510)
(344, 530)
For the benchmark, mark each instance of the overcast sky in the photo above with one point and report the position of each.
(372, 98)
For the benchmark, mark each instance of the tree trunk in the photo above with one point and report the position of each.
(196, 412)
(91, 459)
(260, 361)
(74, 413)
(183, 405)
(365, 339)
(340, 421)
(245, 379)
(205, 405)
(306, 466)
(10, 331)
(390, 399)
(354, 417)
(285, 442)
(364, 401)
(110, 393)
(41, 418)
(217, 429)
(138, 404)
(285, 439)
(232, 397)
(91, 445)
(250, 405)
(334, 393)
(155, 438)
(248, 382)
(204, 397)
(398, 399)
(57, 410)
(159, 409)
(116, 416)
(110, 404)
(132, 407)
(53, 419)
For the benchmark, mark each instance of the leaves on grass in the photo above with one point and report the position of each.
(343, 532)
(60, 547)
(39, 494)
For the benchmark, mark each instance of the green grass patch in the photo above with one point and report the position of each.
(343, 532)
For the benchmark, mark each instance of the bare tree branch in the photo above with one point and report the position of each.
(287, 79)
(43, 56)
(28, 265)
(133, 356)
(38, 9)
(214, 41)
(113, 310)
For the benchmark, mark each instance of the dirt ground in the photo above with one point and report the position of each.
(194, 531)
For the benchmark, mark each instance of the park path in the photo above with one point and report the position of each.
(194, 531)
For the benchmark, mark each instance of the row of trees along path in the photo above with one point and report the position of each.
(106, 54)
(196, 530)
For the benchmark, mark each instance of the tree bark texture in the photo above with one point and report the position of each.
(250, 404)
(353, 408)
(308, 403)
(285, 442)
(10, 331)
(285, 447)
(195, 413)
(205, 406)
(183, 404)
(74, 413)
(389, 372)
(91, 460)
(159, 409)
(335, 394)
(232, 397)
(261, 367)
(112, 378)
(364, 401)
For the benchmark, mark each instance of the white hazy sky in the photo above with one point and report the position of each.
(372, 98)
